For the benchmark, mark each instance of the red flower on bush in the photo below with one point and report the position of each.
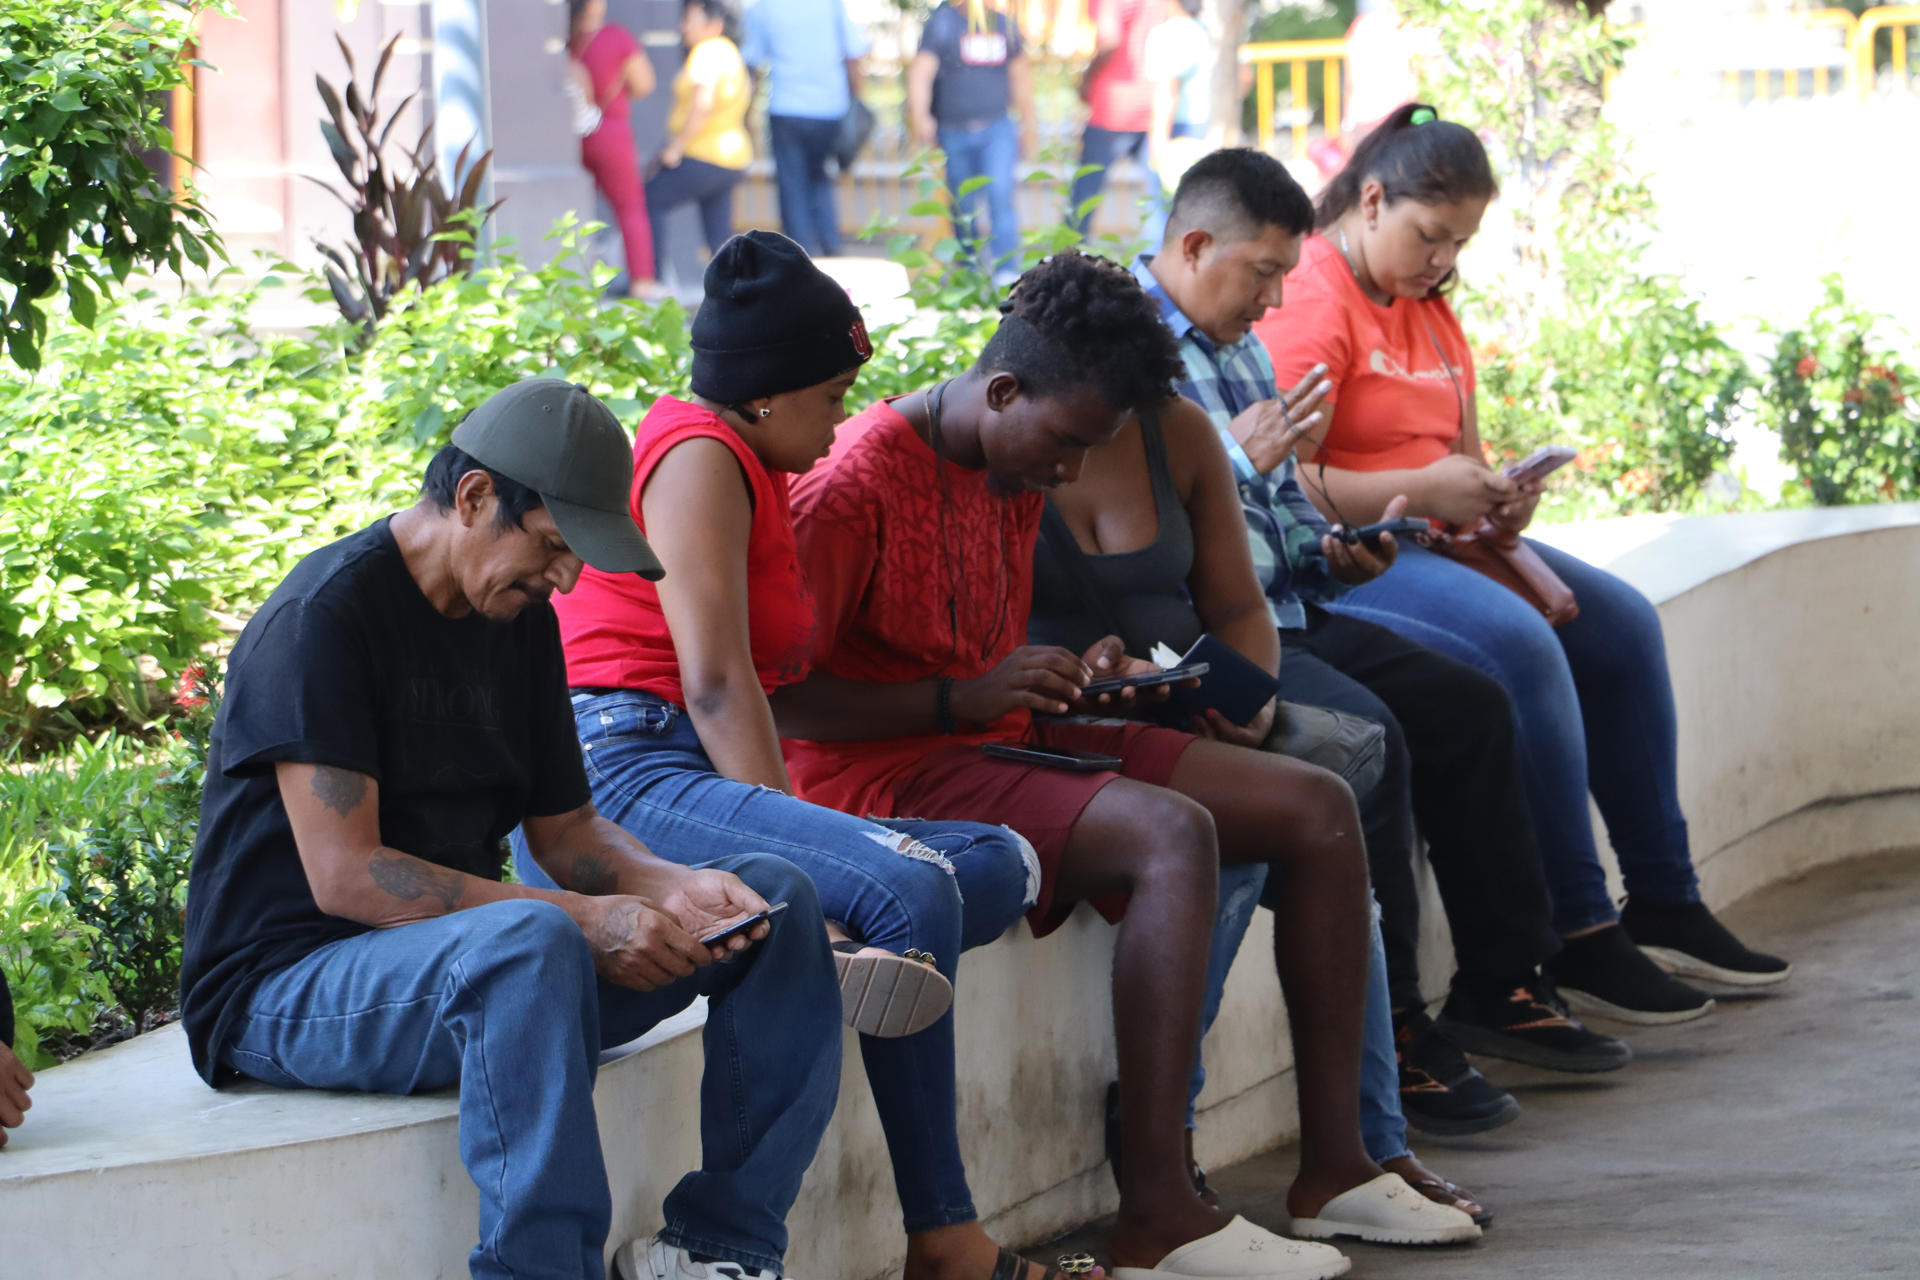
(190, 693)
(1853, 395)
(1638, 480)
(1807, 367)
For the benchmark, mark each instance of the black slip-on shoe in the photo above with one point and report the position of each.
(1604, 975)
(1528, 1023)
(1440, 1092)
(1685, 939)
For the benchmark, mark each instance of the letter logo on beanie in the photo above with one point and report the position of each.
(862, 345)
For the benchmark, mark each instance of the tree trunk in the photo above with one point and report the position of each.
(1228, 20)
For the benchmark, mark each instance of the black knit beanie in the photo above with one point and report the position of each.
(771, 322)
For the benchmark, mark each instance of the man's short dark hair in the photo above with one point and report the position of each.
(1236, 194)
(453, 462)
(1079, 320)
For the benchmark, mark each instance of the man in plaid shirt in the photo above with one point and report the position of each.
(1235, 230)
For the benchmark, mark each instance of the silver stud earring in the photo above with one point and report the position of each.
(766, 413)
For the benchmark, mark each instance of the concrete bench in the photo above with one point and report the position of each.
(1789, 639)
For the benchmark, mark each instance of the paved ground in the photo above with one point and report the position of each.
(1779, 1137)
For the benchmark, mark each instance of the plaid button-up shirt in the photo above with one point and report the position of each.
(1281, 521)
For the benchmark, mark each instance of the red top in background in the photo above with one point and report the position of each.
(907, 586)
(1393, 402)
(611, 625)
(605, 59)
(1120, 97)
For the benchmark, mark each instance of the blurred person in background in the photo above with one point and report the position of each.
(617, 75)
(971, 67)
(707, 146)
(1179, 67)
(810, 52)
(1119, 98)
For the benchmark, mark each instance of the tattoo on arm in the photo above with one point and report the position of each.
(409, 879)
(592, 875)
(341, 790)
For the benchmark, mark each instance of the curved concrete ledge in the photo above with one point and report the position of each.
(1799, 746)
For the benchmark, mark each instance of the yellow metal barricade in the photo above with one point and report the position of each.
(1298, 55)
(1894, 20)
(1763, 76)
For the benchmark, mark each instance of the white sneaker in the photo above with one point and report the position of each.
(648, 1258)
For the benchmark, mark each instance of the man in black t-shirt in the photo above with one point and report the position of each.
(397, 707)
(970, 68)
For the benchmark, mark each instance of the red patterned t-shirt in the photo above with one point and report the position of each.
(918, 568)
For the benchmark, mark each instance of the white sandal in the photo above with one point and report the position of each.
(1242, 1251)
(1388, 1211)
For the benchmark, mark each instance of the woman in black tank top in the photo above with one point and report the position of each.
(1150, 544)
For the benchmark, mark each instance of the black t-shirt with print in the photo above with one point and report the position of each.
(464, 723)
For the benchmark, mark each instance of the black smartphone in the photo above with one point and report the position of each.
(739, 927)
(1067, 758)
(1370, 533)
(1146, 679)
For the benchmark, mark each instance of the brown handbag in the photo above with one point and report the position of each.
(1502, 555)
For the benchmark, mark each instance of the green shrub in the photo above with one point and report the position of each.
(45, 952)
(1637, 378)
(78, 207)
(155, 488)
(124, 881)
(1837, 392)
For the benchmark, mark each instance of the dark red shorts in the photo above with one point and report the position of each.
(962, 785)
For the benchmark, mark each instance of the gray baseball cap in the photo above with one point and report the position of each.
(558, 439)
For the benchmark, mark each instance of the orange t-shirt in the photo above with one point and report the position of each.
(1395, 404)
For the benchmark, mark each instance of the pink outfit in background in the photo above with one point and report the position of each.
(610, 153)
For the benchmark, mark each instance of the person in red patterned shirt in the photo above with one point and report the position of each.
(917, 540)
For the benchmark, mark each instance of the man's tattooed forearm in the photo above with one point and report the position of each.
(341, 790)
(410, 879)
(591, 874)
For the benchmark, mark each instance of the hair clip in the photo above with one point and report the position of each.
(1422, 115)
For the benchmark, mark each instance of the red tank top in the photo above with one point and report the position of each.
(611, 625)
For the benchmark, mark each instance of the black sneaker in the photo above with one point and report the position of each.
(1439, 1091)
(1528, 1023)
(1604, 974)
(1687, 940)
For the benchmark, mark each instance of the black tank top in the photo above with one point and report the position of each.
(1141, 596)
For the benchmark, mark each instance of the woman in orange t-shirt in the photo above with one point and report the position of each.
(1593, 698)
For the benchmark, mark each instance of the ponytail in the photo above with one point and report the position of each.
(1414, 155)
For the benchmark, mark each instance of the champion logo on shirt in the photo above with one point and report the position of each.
(1385, 362)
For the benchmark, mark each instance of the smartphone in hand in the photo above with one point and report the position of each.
(1145, 680)
(743, 926)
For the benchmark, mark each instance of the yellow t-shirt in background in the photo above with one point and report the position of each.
(722, 140)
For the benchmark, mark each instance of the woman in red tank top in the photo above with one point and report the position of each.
(670, 683)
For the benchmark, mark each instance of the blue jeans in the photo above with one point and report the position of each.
(503, 1000)
(808, 212)
(1593, 705)
(1383, 1128)
(940, 886)
(1099, 148)
(986, 152)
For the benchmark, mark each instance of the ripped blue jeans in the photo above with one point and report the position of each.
(894, 883)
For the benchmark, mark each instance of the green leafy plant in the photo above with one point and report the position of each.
(1837, 391)
(398, 213)
(79, 209)
(125, 879)
(57, 994)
